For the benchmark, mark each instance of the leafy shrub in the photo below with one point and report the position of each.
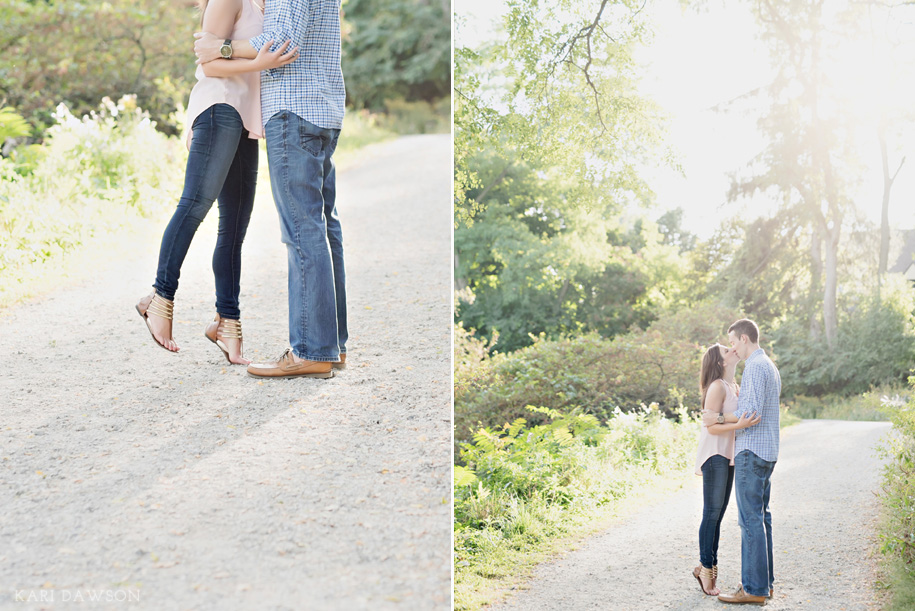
(78, 52)
(659, 365)
(898, 528)
(419, 117)
(866, 406)
(90, 175)
(875, 346)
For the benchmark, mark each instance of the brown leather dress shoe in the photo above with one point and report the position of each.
(742, 598)
(287, 367)
(341, 364)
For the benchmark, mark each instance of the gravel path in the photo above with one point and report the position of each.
(128, 471)
(823, 512)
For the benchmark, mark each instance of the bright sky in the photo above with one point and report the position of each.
(695, 62)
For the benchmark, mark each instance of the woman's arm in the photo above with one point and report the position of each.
(265, 60)
(220, 17)
(742, 423)
(288, 19)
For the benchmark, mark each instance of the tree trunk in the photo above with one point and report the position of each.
(831, 284)
(816, 279)
(885, 212)
(459, 283)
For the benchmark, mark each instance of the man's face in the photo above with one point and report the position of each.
(740, 344)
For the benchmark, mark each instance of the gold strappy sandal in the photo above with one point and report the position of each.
(157, 306)
(224, 328)
(710, 574)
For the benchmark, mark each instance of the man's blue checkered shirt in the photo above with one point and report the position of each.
(312, 85)
(760, 388)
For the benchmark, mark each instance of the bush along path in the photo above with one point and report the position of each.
(129, 471)
(824, 514)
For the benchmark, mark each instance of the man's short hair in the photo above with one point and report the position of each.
(747, 327)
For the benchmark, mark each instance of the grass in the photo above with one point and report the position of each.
(898, 584)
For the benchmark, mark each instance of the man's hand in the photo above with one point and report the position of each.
(267, 59)
(206, 47)
(748, 420)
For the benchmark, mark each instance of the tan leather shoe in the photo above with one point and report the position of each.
(740, 585)
(742, 598)
(341, 364)
(287, 367)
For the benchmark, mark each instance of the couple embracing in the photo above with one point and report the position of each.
(264, 71)
(738, 446)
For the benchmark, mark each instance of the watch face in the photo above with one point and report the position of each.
(225, 51)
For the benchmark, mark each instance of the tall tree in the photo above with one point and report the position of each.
(810, 161)
(549, 137)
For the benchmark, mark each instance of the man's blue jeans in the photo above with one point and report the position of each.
(751, 474)
(717, 479)
(222, 163)
(303, 180)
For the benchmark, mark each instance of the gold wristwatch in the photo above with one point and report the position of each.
(225, 51)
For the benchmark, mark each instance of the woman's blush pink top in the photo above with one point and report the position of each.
(242, 91)
(709, 444)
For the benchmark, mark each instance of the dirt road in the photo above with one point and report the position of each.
(823, 512)
(129, 472)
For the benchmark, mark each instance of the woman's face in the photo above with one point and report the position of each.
(728, 356)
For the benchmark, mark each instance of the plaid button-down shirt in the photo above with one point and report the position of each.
(312, 85)
(760, 388)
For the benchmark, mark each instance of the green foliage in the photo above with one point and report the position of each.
(77, 52)
(868, 406)
(535, 483)
(12, 125)
(396, 49)
(419, 117)
(560, 97)
(534, 262)
(550, 135)
(91, 175)
(659, 365)
(897, 532)
(875, 346)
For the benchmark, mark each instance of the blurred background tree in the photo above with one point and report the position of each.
(396, 58)
(397, 49)
(558, 233)
(80, 52)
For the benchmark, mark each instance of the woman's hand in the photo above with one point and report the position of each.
(746, 420)
(709, 417)
(267, 59)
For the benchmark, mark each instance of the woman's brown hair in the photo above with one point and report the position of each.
(712, 369)
(202, 7)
